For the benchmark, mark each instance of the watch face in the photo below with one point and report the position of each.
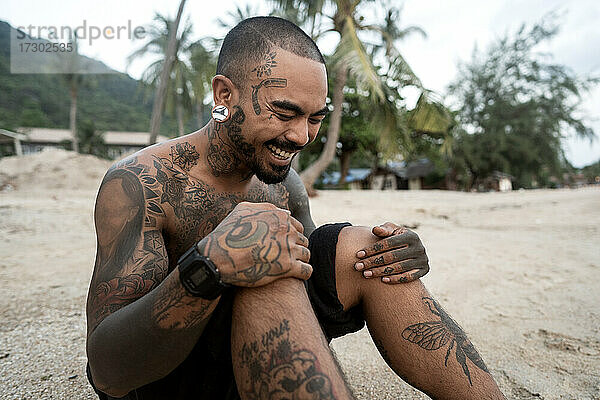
(198, 276)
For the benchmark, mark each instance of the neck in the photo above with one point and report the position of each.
(221, 158)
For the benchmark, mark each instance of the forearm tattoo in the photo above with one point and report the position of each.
(278, 368)
(433, 335)
(177, 310)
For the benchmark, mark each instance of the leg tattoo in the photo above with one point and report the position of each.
(433, 335)
(279, 369)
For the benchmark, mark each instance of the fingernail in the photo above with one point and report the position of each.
(361, 254)
(386, 279)
(368, 274)
(358, 266)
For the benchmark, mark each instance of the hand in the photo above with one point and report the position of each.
(398, 258)
(256, 244)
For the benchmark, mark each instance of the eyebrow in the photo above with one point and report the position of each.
(288, 105)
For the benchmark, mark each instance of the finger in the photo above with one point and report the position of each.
(302, 271)
(408, 276)
(297, 224)
(407, 237)
(385, 230)
(302, 253)
(389, 257)
(396, 268)
(302, 240)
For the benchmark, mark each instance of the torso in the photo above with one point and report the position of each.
(183, 204)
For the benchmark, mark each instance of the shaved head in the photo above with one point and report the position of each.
(252, 43)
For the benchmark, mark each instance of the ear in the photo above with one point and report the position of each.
(224, 91)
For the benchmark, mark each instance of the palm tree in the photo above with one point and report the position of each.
(237, 16)
(177, 92)
(170, 52)
(74, 81)
(381, 79)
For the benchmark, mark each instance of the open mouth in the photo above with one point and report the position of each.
(279, 153)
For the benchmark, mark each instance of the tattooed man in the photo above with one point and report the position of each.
(211, 281)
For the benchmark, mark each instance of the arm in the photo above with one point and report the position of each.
(141, 322)
(298, 201)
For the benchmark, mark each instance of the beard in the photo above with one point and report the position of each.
(271, 174)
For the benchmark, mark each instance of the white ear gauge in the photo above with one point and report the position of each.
(220, 113)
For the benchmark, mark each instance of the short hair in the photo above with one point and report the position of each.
(252, 39)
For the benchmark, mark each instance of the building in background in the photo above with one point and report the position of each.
(393, 176)
(34, 140)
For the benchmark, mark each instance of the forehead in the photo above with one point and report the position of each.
(306, 79)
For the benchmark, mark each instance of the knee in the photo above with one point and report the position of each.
(351, 285)
(349, 282)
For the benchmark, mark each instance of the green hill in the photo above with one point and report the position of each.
(111, 101)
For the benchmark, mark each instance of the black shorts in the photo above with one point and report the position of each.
(207, 372)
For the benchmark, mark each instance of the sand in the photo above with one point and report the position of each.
(519, 271)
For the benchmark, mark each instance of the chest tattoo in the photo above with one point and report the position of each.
(192, 207)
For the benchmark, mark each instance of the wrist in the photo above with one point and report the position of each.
(199, 275)
(218, 256)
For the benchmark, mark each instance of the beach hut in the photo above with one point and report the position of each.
(34, 140)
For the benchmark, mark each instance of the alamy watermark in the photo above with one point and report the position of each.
(52, 49)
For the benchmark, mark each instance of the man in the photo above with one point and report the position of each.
(204, 285)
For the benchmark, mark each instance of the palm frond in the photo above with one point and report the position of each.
(351, 53)
(429, 116)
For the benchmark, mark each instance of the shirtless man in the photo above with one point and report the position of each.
(205, 284)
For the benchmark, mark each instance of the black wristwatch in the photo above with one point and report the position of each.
(199, 275)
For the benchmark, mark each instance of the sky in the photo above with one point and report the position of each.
(453, 29)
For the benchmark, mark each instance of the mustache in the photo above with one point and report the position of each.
(285, 145)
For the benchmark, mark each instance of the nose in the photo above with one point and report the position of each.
(298, 133)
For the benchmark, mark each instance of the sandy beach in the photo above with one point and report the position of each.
(520, 272)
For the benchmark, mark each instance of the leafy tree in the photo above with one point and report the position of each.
(378, 69)
(514, 107)
(91, 140)
(203, 63)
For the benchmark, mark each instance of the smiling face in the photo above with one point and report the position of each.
(283, 103)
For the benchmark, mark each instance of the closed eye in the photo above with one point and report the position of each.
(283, 117)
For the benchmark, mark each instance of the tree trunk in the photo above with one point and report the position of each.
(344, 166)
(179, 112)
(313, 171)
(161, 91)
(73, 117)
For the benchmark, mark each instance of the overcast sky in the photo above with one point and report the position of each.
(453, 28)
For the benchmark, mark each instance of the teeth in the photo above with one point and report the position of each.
(280, 153)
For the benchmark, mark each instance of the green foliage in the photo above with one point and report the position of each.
(514, 107)
(358, 135)
(112, 101)
(91, 141)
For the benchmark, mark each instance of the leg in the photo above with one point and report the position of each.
(417, 338)
(278, 348)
